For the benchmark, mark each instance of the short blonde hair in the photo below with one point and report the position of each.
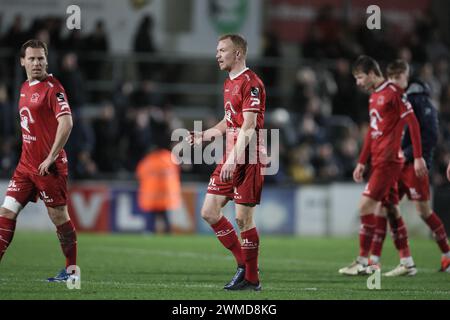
(238, 41)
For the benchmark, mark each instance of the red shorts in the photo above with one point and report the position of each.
(244, 188)
(25, 187)
(382, 179)
(416, 189)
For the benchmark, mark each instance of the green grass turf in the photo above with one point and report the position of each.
(196, 267)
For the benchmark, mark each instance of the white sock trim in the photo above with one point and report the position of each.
(12, 204)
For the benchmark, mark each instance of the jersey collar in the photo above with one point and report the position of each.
(238, 74)
(383, 85)
(34, 82)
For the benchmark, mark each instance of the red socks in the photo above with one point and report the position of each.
(366, 234)
(400, 237)
(379, 236)
(439, 234)
(250, 246)
(7, 227)
(227, 236)
(68, 239)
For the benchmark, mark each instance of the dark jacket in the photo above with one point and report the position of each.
(418, 94)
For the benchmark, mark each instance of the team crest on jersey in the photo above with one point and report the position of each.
(380, 100)
(254, 92)
(35, 97)
(235, 90)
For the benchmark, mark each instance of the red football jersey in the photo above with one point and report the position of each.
(244, 92)
(388, 107)
(40, 105)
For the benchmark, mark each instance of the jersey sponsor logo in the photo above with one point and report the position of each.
(375, 118)
(12, 186)
(414, 194)
(26, 118)
(212, 185)
(236, 194)
(247, 244)
(45, 197)
(34, 98)
(366, 189)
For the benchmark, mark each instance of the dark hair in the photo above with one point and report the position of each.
(33, 43)
(365, 64)
(396, 67)
(238, 41)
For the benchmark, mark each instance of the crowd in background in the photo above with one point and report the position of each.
(321, 128)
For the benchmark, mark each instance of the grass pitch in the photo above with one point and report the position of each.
(197, 267)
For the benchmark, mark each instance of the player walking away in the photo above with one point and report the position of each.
(417, 190)
(233, 179)
(46, 121)
(389, 111)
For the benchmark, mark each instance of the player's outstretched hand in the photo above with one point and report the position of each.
(226, 174)
(420, 167)
(358, 172)
(448, 172)
(194, 137)
(45, 165)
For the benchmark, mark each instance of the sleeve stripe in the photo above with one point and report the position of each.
(251, 109)
(406, 113)
(63, 113)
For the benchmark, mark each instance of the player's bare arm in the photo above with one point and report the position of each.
(358, 172)
(65, 125)
(216, 131)
(363, 158)
(245, 135)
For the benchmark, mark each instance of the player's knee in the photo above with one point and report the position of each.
(210, 216)
(241, 223)
(423, 209)
(58, 215)
(366, 207)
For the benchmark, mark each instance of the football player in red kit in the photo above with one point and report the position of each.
(233, 179)
(46, 121)
(389, 111)
(416, 189)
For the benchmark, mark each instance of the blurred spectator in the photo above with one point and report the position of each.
(159, 183)
(325, 163)
(106, 129)
(300, 168)
(96, 43)
(73, 81)
(144, 43)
